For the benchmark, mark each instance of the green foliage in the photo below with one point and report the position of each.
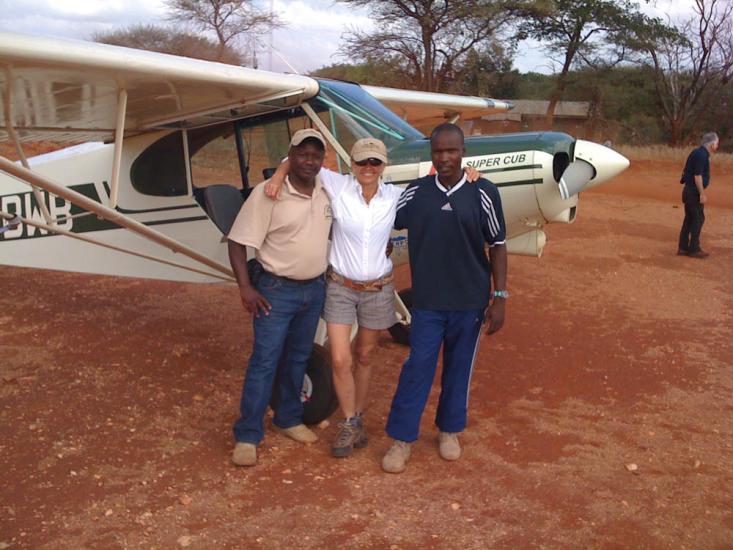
(165, 40)
(375, 74)
(487, 72)
(429, 41)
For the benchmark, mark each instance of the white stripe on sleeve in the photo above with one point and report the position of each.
(488, 207)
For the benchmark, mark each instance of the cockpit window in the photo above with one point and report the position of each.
(160, 170)
(357, 115)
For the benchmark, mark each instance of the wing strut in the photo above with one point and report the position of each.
(119, 138)
(10, 127)
(14, 220)
(326, 132)
(33, 179)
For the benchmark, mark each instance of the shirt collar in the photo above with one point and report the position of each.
(452, 189)
(356, 187)
(293, 191)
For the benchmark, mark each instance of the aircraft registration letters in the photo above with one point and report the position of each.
(25, 205)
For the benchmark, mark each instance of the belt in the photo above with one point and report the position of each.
(375, 285)
(296, 281)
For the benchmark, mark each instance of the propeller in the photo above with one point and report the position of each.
(575, 177)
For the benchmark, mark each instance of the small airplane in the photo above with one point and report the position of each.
(167, 148)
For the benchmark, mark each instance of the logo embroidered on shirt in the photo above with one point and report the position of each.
(447, 207)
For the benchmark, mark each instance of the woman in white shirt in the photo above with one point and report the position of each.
(360, 282)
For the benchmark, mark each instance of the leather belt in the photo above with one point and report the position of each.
(296, 281)
(375, 285)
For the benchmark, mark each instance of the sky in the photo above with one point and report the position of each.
(309, 41)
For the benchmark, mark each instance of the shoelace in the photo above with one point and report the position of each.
(346, 432)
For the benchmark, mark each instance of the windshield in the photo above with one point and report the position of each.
(354, 114)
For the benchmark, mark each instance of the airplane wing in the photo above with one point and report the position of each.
(429, 108)
(67, 90)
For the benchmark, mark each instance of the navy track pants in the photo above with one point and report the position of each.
(458, 332)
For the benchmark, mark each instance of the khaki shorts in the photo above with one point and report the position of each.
(373, 310)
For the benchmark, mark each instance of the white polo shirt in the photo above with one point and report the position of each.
(360, 231)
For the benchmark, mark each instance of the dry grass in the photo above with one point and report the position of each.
(666, 153)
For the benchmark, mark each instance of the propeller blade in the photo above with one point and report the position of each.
(576, 176)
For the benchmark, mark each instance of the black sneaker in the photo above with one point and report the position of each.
(351, 435)
(700, 254)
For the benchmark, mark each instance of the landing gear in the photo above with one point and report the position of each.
(318, 395)
(400, 331)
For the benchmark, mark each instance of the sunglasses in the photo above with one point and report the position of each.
(369, 161)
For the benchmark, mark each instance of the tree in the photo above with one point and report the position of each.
(591, 33)
(692, 68)
(229, 20)
(363, 73)
(164, 40)
(428, 40)
(488, 72)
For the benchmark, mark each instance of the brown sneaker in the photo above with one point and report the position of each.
(299, 433)
(245, 454)
(395, 461)
(351, 435)
(448, 446)
(699, 254)
(682, 252)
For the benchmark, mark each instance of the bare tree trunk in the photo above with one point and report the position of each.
(675, 132)
(428, 61)
(561, 83)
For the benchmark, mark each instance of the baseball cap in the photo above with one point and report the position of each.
(301, 135)
(369, 148)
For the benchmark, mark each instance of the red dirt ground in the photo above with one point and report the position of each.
(117, 397)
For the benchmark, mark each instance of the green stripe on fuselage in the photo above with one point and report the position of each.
(477, 146)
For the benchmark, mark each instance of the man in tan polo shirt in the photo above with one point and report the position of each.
(290, 236)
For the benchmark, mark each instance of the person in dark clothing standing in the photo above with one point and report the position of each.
(449, 224)
(696, 178)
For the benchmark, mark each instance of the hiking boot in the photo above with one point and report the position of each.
(699, 254)
(351, 435)
(395, 461)
(299, 433)
(448, 446)
(245, 454)
(364, 436)
(681, 252)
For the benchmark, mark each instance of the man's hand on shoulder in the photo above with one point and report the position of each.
(253, 301)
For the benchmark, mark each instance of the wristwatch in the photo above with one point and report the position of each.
(500, 294)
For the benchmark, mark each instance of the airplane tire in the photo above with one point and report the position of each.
(318, 394)
(401, 333)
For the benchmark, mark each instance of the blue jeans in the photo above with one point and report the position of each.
(458, 332)
(290, 328)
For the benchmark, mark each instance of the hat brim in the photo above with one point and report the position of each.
(363, 155)
(296, 142)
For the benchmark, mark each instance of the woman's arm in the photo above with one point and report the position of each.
(332, 181)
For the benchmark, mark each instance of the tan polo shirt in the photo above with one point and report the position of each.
(290, 233)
